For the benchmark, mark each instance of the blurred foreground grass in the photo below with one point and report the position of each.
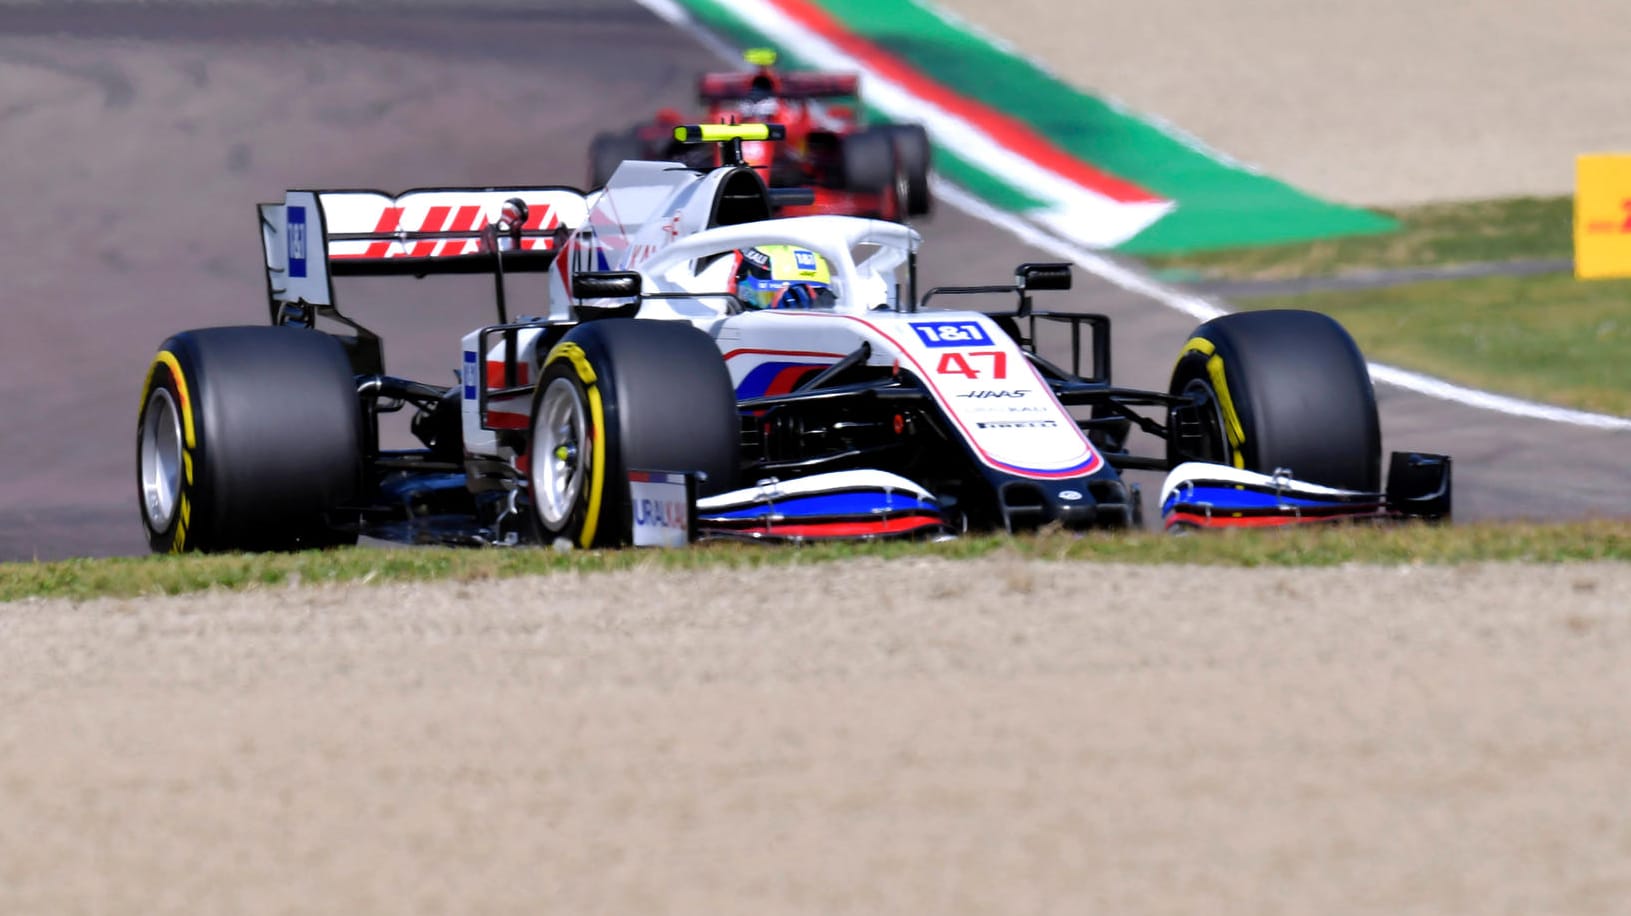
(82, 579)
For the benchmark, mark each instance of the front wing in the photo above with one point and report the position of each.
(855, 504)
(1203, 495)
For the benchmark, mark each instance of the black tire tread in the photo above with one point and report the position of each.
(608, 151)
(279, 434)
(669, 405)
(913, 150)
(869, 160)
(1302, 391)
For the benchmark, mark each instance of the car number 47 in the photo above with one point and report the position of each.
(991, 364)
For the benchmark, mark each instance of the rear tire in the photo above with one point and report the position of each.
(1291, 392)
(619, 394)
(608, 151)
(869, 161)
(249, 438)
(912, 152)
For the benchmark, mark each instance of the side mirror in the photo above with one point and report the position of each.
(791, 197)
(606, 285)
(1044, 276)
(514, 214)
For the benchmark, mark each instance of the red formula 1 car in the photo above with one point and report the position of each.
(849, 168)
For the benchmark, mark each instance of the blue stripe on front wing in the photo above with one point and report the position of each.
(831, 504)
(1231, 498)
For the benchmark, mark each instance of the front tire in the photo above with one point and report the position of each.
(618, 394)
(1288, 390)
(249, 438)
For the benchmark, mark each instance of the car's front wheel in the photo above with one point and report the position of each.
(621, 394)
(1284, 390)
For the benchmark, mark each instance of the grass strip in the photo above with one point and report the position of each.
(84, 579)
(1513, 229)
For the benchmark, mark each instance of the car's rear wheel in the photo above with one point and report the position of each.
(869, 161)
(1285, 390)
(620, 394)
(912, 152)
(249, 438)
(608, 151)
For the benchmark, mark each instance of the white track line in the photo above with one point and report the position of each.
(1198, 307)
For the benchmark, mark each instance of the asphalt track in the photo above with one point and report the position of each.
(136, 138)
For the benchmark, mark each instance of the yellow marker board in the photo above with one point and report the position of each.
(1602, 215)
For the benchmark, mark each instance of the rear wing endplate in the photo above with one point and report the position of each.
(314, 236)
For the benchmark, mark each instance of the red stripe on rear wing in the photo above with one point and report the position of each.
(432, 225)
(316, 235)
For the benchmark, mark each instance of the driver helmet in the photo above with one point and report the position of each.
(782, 277)
(759, 108)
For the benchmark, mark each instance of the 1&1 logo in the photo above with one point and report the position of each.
(951, 333)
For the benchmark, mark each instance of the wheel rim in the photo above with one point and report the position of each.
(559, 453)
(161, 460)
(1218, 436)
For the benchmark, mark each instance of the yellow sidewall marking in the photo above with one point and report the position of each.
(189, 437)
(1233, 430)
(1196, 345)
(169, 359)
(180, 542)
(574, 354)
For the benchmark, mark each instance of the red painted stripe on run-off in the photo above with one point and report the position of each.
(1016, 135)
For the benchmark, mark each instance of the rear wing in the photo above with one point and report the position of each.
(730, 87)
(314, 236)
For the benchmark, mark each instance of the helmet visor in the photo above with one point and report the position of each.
(759, 293)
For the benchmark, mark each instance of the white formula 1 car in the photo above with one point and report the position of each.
(701, 368)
